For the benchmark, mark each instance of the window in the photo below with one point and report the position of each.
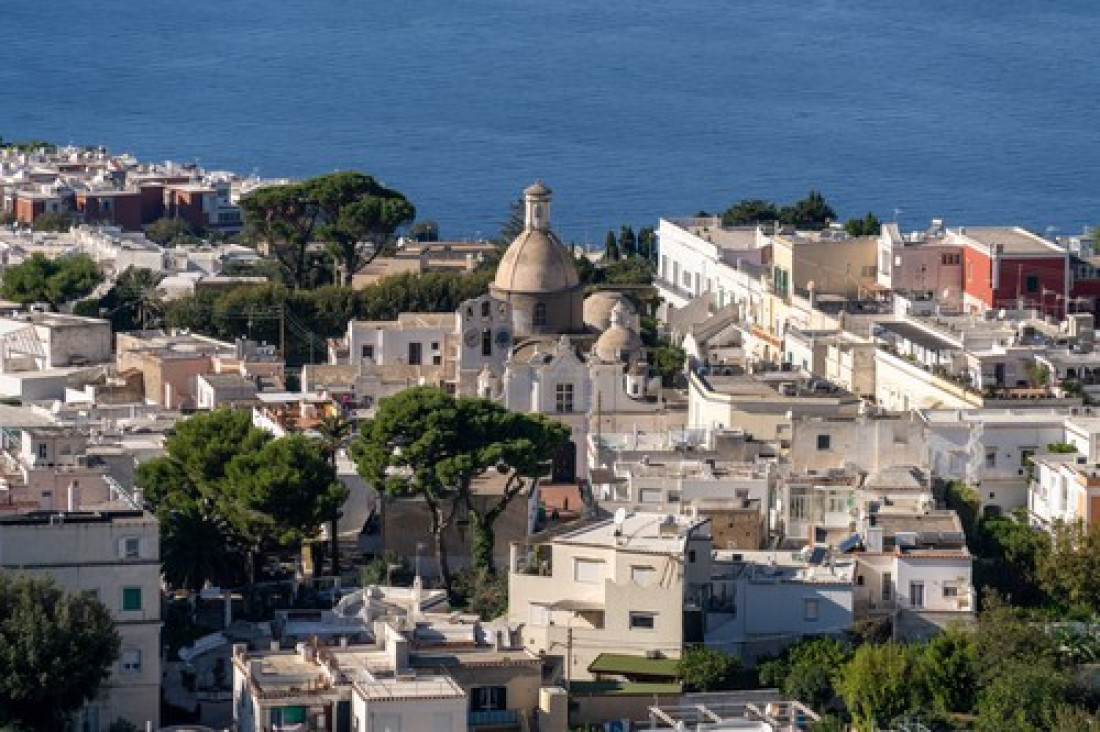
(367, 353)
(540, 314)
(691, 556)
(1031, 283)
(916, 594)
(563, 398)
(643, 575)
(837, 504)
(485, 309)
(488, 698)
(951, 260)
(650, 495)
(129, 548)
(950, 592)
(824, 442)
(588, 571)
(486, 342)
(869, 271)
(643, 621)
(415, 354)
(810, 609)
(131, 598)
(887, 587)
(42, 450)
(131, 660)
(990, 458)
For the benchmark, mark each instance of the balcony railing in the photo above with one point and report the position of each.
(493, 718)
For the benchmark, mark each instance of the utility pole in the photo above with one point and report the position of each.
(282, 331)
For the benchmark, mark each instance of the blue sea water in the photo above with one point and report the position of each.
(979, 111)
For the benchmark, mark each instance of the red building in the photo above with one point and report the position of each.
(121, 208)
(1008, 267)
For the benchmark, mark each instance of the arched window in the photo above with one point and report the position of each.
(540, 314)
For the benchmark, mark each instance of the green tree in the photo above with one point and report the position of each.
(707, 669)
(426, 443)
(56, 649)
(880, 684)
(197, 546)
(514, 224)
(807, 670)
(172, 232)
(869, 225)
(1005, 637)
(279, 495)
(1021, 698)
(284, 217)
(670, 362)
(949, 666)
(1070, 570)
(357, 215)
(134, 303)
(611, 248)
(812, 213)
(1010, 551)
(750, 211)
(335, 432)
(633, 271)
(628, 242)
(425, 231)
(647, 243)
(483, 591)
(54, 281)
(56, 221)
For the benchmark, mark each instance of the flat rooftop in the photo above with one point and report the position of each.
(999, 417)
(812, 566)
(921, 337)
(639, 532)
(1011, 240)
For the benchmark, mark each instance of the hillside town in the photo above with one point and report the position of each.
(790, 478)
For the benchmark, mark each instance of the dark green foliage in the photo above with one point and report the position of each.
(252, 311)
(949, 667)
(707, 669)
(513, 225)
(1009, 551)
(807, 670)
(424, 442)
(882, 683)
(53, 281)
(812, 213)
(628, 242)
(670, 362)
(611, 251)
(58, 221)
(426, 231)
(222, 477)
(170, 232)
(869, 225)
(647, 243)
(353, 212)
(56, 650)
(633, 271)
(134, 303)
(483, 591)
(965, 502)
(1021, 698)
(750, 211)
(1070, 569)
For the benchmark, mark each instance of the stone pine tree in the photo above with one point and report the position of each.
(56, 650)
(428, 444)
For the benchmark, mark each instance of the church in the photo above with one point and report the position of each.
(534, 342)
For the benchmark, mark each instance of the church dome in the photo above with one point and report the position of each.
(620, 342)
(598, 307)
(536, 262)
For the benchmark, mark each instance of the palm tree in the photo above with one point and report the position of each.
(134, 299)
(196, 548)
(335, 432)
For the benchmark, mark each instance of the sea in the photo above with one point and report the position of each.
(975, 111)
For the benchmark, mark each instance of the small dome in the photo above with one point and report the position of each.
(538, 188)
(598, 307)
(619, 342)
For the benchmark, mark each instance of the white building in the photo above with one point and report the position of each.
(637, 587)
(114, 554)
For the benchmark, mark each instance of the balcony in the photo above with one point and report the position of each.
(492, 718)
